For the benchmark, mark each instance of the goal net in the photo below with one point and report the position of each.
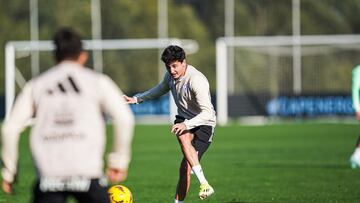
(285, 76)
(134, 64)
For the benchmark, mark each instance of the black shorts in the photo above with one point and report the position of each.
(97, 193)
(202, 136)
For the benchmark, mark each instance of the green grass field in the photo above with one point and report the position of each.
(276, 163)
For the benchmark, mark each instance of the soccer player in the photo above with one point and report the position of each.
(67, 139)
(194, 126)
(355, 157)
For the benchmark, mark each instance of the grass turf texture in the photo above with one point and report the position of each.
(277, 163)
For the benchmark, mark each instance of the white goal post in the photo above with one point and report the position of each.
(295, 42)
(13, 47)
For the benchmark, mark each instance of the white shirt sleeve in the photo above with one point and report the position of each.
(155, 92)
(200, 86)
(20, 115)
(114, 105)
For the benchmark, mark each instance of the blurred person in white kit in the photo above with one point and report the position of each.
(355, 90)
(68, 137)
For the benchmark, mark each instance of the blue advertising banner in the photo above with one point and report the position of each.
(310, 106)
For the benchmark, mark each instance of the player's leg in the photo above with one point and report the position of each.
(191, 155)
(201, 146)
(185, 141)
(184, 181)
(193, 150)
(97, 193)
(200, 141)
(189, 143)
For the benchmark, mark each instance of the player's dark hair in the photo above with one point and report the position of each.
(173, 53)
(68, 45)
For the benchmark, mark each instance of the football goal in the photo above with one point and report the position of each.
(118, 54)
(269, 68)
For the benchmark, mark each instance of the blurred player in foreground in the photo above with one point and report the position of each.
(68, 136)
(194, 126)
(355, 157)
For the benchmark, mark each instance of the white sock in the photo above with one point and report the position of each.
(199, 173)
(178, 201)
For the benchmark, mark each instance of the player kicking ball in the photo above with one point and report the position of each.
(194, 125)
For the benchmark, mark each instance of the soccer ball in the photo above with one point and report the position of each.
(120, 194)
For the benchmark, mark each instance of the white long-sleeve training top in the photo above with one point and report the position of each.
(191, 94)
(68, 136)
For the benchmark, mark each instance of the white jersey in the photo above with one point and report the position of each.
(191, 94)
(68, 136)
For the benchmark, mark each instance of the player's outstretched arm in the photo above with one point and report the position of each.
(130, 100)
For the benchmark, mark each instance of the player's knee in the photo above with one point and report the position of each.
(185, 139)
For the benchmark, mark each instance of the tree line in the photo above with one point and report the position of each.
(201, 20)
